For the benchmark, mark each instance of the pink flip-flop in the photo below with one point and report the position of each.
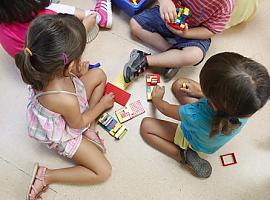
(95, 139)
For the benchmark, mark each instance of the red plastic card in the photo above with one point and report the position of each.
(121, 96)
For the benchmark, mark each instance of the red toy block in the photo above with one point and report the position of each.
(222, 157)
(121, 96)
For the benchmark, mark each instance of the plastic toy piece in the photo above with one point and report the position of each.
(130, 111)
(97, 65)
(222, 157)
(121, 96)
(120, 82)
(112, 126)
(184, 86)
(135, 2)
(151, 81)
(182, 14)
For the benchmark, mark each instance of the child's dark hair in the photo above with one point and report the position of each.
(52, 42)
(237, 86)
(22, 11)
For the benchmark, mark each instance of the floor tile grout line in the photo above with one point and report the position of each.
(16, 167)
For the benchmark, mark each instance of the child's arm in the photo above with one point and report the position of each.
(164, 107)
(193, 33)
(70, 110)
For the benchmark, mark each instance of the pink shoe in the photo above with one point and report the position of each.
(104, 9)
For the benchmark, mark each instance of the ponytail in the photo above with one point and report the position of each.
(222, 123)
(28, 72)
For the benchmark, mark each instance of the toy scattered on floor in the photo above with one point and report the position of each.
(132, 7)
(97, 65)
(130, 111)
(152, 80)
(120, 82)
(230, 155)
(120, 96)
(112, 126)
(182, 14)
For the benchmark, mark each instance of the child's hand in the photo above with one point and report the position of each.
(107, 100)
(158, 92)
(191, 88)
(168, 11)
(82, 68)
(179, 32)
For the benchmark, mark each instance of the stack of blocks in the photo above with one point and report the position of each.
(112, 126)
(152, 80)
(182, 14)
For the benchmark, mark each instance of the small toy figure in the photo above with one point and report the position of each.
(135, 2)
(130, 111)
(182, 14)
(184, 85)
(151, 81)
(112, 126)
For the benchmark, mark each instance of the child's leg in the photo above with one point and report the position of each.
(94, 82)
(92, 168)
(160, 135)
(182, 97)
(153, 39)
(176, 58)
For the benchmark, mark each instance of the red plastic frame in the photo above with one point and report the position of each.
(229, 154)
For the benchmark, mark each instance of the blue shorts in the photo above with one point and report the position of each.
(150, 20)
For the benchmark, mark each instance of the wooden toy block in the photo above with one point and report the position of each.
(182, 14)
(151, 81)
(112, 126)
(120, 82)
(130, 111)
(227, 163)
(121, 96)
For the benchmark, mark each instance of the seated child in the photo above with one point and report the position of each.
(65, 100)
(232, 88)
(190, 46)
(14, 27)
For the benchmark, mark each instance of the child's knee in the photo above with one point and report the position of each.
(104, 173)
(177, 85)
(134, 26)
(145, 124)
(100, 74)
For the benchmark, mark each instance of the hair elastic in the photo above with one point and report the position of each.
(29, 51)
(65, 58)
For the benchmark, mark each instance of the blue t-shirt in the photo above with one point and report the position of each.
(196, 123)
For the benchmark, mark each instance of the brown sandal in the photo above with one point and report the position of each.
(37, 194)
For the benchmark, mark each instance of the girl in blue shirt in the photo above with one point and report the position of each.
(231, 89)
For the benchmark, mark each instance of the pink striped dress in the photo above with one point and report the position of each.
(51, 128)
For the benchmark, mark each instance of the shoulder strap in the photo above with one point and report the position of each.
(54, 92)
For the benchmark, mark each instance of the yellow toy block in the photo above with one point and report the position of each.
(120, 82)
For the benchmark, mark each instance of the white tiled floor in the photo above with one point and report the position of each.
(140, 172)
